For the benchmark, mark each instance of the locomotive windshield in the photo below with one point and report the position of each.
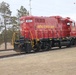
(68, 23)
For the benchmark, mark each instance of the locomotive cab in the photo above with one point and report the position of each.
(26, 24)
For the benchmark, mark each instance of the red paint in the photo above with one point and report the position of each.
(34, 27)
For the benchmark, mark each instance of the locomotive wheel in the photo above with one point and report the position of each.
(38, 47)
(50, 45)
(69, 45)
(28, 47)
(59, 44)
(75, 41)
(36, 50)
(46, 46)
(17, 48)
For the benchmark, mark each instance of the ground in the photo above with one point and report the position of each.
(55, 62)
(9, 46)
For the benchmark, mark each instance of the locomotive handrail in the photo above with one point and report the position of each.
(14, 37)
(31, 35)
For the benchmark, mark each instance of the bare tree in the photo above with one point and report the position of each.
(5, 13)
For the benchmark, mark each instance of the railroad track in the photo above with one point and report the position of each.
(11, 53)
(6, 50)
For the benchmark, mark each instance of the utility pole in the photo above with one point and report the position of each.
(30, 7)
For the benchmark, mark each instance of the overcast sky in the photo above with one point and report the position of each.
(45, 7)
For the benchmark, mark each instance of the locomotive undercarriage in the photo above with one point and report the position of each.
(27, 46)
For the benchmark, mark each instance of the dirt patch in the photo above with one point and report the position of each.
(9, 46)
(57, 62)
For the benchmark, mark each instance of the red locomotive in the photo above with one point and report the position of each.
(43, 33)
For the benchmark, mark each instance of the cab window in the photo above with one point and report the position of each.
(68, 24)
(28, 21)
(73, 24)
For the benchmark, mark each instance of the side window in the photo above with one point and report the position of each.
(40, 20)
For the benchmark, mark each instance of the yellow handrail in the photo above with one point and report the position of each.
(14, 37)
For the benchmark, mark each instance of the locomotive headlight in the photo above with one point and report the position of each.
(22, 21)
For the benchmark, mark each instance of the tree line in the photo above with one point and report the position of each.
(9, 23)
